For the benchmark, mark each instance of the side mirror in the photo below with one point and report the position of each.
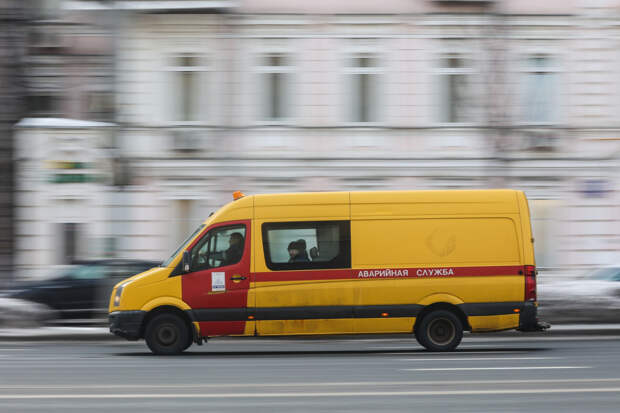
(186, 261)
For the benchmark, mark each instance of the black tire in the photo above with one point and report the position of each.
(416, 333)
(167, 334)
(190, 341)
(440, 331)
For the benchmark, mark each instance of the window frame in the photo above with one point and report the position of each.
(206, 239)
(444, 105)
(98, 96)
(201, 110)
(55, 101)
(288, 72)
(527, 71)
(376, 101)
(341, 261)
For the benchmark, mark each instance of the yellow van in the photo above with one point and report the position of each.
(427, 263)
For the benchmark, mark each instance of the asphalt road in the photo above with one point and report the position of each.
(386, 374)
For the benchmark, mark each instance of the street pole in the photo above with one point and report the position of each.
(498, 127)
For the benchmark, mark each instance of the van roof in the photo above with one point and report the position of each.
(388, 197)
(369, 203)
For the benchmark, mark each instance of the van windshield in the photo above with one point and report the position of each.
(183, 244)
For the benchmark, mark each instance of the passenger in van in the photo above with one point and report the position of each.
(302, 249)
(294, 252)
(314, 253)
(235, 249)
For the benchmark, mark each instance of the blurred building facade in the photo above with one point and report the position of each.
(277, 95)
(14, 18)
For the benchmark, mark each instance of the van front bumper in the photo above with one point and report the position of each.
(528, 319)
(126, 324)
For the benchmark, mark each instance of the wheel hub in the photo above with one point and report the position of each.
(166, 334)
(441, 331)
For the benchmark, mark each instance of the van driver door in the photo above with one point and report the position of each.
(216, 287)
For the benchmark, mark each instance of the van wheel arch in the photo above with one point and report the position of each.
(437, 307)
(169, 310)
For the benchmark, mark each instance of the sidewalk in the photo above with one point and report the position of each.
(57, 334)
(102, 333)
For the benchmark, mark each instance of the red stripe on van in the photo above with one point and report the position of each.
(221, 328)
(303, 275)
(385, 273)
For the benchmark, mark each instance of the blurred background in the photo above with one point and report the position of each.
(123, 124)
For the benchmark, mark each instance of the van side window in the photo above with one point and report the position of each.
(219, 247)
(307, 245)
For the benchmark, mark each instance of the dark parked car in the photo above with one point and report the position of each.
(80, 291)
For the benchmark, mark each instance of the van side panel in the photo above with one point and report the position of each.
(468, 248)
(292, 302)
(289, 207)
(473, 239)
(407, 242)
(419, 203)
(493, 322)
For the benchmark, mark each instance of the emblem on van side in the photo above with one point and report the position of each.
(441, 244)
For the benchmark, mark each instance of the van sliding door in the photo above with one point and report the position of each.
(306, 287)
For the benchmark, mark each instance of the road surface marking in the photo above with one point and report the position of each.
(479, 358)
(306, 394)
(321, 384)
(497, 368)
(461, 350)
(538, 338)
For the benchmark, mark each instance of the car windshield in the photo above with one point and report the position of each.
(183, 244)
(605, 274)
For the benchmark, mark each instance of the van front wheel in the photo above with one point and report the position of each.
(167, 334)
(440, 331)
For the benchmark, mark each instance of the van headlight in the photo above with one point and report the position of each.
(117, 295)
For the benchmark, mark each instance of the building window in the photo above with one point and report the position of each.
(100, 105)
(540, 99)
(43, 105)
(70, 242)
(307, 245)
(362, 73)
(46, 9)
(455, 73)
(275, 82)
(189, 76)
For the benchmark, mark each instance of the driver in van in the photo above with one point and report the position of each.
(235, 249)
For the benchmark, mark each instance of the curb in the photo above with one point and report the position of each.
(57, 334)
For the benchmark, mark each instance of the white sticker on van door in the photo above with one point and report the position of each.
(218, 281)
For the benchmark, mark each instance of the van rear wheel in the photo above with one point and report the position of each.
(167, 334)
(440, 331)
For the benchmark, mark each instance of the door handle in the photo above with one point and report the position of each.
(237, 278)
